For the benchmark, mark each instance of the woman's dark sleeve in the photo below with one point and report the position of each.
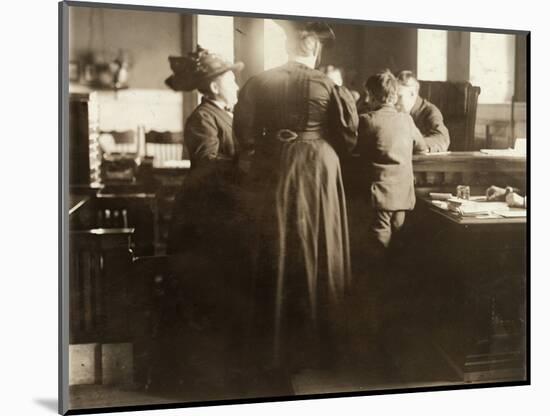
(244, 119)
(343, 120)
(201, 137)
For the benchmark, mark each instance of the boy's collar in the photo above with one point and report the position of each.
(387, 107)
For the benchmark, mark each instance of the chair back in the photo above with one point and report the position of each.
(137, 210)
(457, 101)
(164, 146)
(119, 141)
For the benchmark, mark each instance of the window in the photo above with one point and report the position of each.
(215, 33)
(274, 45)
(432, 55)
(492, 66)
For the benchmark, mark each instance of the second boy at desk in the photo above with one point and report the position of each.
(386, 142)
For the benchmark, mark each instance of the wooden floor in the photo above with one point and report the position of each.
(408, 356)
(412, 361)
(423, 345)
(421, 365)
(99, 396)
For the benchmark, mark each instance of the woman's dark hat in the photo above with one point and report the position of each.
(197, 69)
(323, 31)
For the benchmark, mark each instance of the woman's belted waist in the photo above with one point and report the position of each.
(287, 135)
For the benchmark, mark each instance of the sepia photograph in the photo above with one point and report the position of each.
(263, 207)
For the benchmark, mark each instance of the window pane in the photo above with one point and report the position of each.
(215, 33)
(432, 55)
(492, 66)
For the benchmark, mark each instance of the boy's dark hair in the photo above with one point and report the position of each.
(382, 86)
(408, 79)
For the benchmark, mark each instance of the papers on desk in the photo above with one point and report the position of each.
(520, 145)
(512, 213)
(504, 152)
(434, 153)
(440, 196)
(177, 164)
(481, 198)
(478, 207)
(475, 209)
(441, 205)
(520, 149)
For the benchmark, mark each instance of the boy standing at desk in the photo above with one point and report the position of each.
(386, 141)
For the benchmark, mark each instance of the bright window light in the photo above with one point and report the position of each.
(492, 66)
(432, 55)
(215, 33)
(274, 45)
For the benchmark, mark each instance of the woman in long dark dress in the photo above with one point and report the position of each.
(294, 124)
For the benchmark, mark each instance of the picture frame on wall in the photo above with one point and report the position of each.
(276, 207)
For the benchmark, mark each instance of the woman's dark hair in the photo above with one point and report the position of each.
(303, 43)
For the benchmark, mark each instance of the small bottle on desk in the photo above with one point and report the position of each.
(463, 192)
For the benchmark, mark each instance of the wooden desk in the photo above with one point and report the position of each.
(472, 221)
(145, 206)
(443, 172)
(467, 161)
(480, 267)
(76, 202)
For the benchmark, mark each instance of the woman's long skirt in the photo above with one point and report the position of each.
(301, 259)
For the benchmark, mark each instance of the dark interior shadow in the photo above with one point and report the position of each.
(49, 404)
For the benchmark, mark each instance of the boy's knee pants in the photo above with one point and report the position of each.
(385, 223)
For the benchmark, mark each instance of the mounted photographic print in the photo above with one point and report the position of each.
(259, 207)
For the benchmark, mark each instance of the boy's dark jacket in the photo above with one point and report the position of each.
(386, 142)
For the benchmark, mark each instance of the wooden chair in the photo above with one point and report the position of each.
(119, 150)
(119, 141)
(164, 146)
(498, 135)
(112, 209)
(134, 210)
(457, 101)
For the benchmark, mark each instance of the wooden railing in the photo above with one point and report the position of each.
(445, 172)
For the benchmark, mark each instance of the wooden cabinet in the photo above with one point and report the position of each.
(99, 260)
(84, 155)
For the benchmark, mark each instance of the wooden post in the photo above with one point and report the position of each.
(249, 46)
(188, 44)
(458, 56)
